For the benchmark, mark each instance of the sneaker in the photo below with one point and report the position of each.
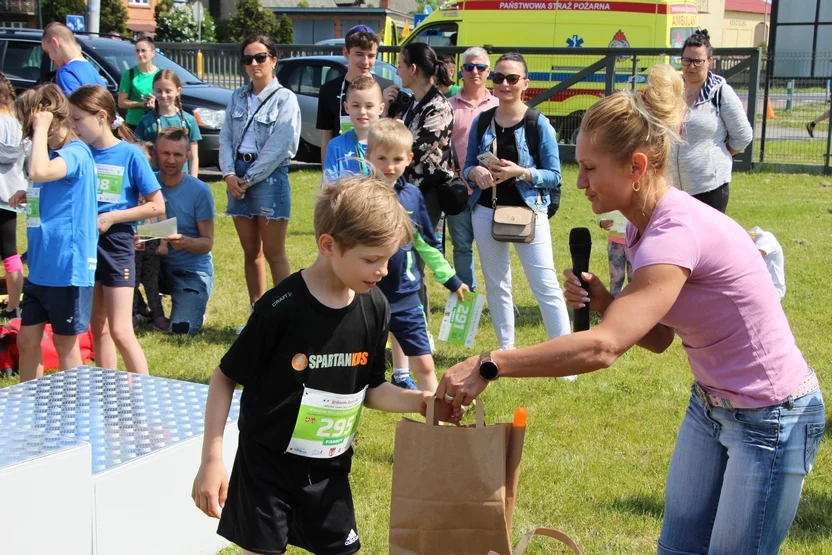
(810, 129)
(568, 378)
(6, 315)
(162, 324)
(405, 383)
(139, 319)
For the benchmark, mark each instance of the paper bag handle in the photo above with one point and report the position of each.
(552, 533)
(432, 413)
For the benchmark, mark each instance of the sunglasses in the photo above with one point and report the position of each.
(359, 29)
(512, 79)
(261, 58)
(470, 67)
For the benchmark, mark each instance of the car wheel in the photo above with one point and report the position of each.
(308, 153)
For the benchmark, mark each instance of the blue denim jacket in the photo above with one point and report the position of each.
(276, 131)
(545, 186)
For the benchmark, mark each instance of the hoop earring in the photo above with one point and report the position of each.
(637, 189)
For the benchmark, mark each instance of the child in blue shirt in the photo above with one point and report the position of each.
(345, 153)
(389, 150)
(61, 231)
(168, 112)
(123, 174)
(73, 69)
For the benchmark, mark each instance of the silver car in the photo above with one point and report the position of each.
(304, 76)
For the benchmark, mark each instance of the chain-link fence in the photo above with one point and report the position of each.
(567, 81)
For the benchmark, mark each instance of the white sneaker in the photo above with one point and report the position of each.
(240, 329)
(568, 378)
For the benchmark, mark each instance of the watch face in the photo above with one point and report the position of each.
(488, 370)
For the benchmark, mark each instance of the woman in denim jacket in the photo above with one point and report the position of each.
(518, 182)
(258, 140)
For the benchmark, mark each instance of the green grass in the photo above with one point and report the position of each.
(597, 450)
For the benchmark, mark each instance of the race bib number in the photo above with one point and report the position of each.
(461, 319)
(110, 180)
(326, 423)
(346, 125)
(33, 207)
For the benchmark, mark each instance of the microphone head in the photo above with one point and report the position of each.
(580, 241)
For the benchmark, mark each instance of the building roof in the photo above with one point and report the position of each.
(748, 6)
(294, 3)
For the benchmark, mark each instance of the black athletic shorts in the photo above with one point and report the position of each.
(277, 500)
(117, 257)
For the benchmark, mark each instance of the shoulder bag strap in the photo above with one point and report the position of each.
(251, 119)
(494, 150)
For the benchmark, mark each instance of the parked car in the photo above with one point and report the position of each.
(25, 64)
(304, 76)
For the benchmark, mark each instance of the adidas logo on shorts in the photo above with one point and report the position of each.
(352, 538)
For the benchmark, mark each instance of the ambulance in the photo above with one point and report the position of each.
(530, 24)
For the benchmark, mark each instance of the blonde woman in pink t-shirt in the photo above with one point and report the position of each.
(756, 415)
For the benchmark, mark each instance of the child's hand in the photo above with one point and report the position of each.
(41, 120)
(137, 243)
(105, 220)
(17, 199)
(447, 412)
(162, 249)
(606, 224)
(210, 488)
(460, 293)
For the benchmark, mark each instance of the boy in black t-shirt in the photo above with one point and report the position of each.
(311, 355)
(360, 50)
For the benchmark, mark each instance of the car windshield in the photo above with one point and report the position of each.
(386, 71)
(122, 57)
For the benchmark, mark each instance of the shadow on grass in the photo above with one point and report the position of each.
(814, 516)
(643, 505)
(215, 336)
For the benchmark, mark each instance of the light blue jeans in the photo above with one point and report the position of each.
(462, 238)
(189, 294)
(736, 476)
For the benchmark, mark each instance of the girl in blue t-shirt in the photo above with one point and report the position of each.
(168, 112)
(61, 231)
(123, 174)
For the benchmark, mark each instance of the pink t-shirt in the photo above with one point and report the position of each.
(728, 313)
(464, 114)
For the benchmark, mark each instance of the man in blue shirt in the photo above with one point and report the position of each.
(188, 268)
(73, 69)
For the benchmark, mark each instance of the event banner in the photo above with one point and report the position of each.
(461, 319)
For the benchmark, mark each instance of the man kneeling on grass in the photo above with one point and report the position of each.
(187, 269)
(310, 356)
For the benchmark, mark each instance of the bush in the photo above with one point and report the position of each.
(251, 18)
(113, 17)
(57, 10)
(285, 31)
(177, 24)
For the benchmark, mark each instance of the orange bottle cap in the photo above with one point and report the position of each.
(520, 415)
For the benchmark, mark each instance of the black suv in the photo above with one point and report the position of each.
(25, 64)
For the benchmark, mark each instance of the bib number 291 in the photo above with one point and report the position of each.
(336, 428)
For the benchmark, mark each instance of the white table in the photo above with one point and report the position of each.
(101, 461)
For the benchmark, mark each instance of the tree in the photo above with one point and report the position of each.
(303, 4)
(57, 10)
(285, 31)
(113, 17)
(177, 24)
(251, 18)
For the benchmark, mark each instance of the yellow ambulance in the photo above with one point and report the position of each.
(529, 24)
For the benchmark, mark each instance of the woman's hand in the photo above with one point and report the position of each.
(482, 177)
(506, 170)
(462, 383)
(17, 199)
(105, 221)
(447, 412)
(389, 95)
(235, 186)
(598, 298)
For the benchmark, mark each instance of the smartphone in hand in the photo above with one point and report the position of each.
(488, 158)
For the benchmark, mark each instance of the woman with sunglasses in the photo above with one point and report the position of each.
(518, 180)
(135, 91)
(431, 120)
(714, 129)
(258, 140)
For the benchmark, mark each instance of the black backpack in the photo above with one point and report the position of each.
(530, 123)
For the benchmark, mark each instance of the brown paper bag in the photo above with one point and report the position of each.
(449, 488)
(556, 534)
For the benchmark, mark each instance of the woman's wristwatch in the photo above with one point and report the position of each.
(487, 368)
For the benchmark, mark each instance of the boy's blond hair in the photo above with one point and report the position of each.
(391, 134)
(362, 210)
(363, 83)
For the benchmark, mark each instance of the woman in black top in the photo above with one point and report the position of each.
(431, 120)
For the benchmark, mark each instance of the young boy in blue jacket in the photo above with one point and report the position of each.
(389, 150)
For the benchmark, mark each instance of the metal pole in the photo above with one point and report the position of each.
(775, 8)
(93, 16)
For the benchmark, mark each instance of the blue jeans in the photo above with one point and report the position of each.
(736, 475)
(189, 293)
(462, 238)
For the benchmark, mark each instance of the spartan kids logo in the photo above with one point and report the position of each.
(301, 362)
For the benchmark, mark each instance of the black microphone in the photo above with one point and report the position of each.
(580, 245)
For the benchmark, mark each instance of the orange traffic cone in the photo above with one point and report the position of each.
(769, 110)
